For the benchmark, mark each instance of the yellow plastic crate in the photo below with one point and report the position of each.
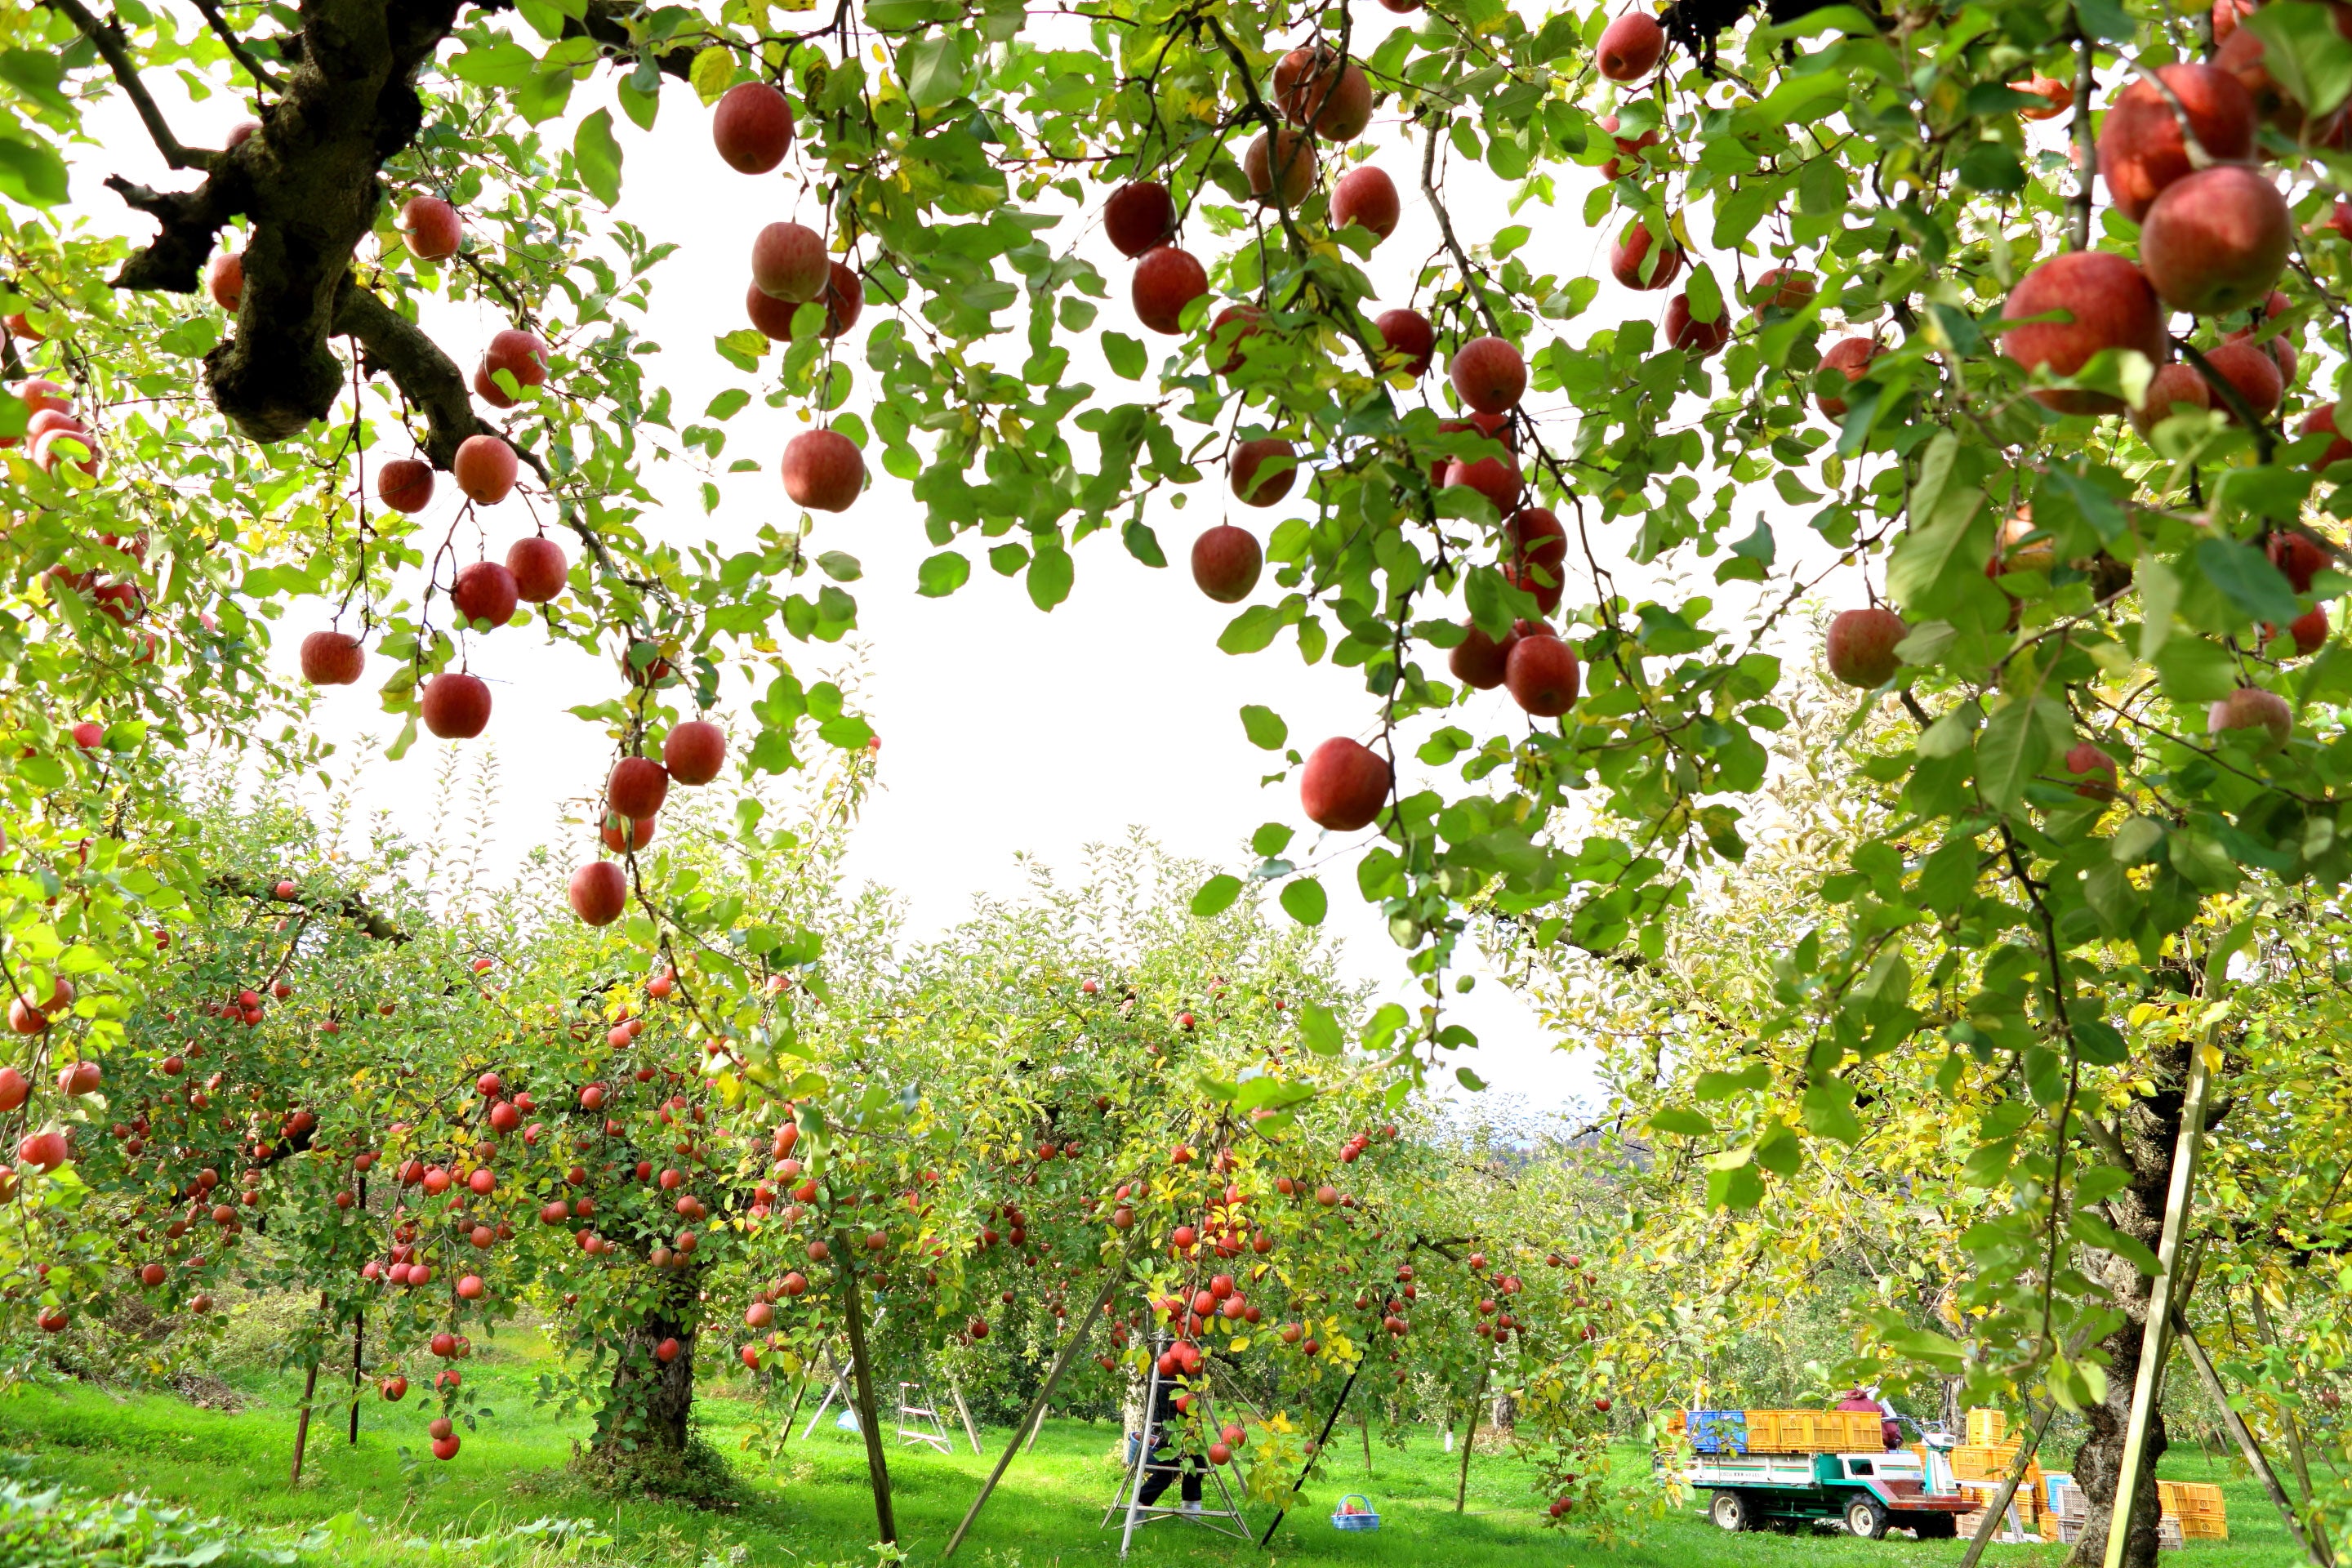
(1987, 1428)
(1983, 1462)
(2187, 1498)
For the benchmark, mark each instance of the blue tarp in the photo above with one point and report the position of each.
(1718, 1431)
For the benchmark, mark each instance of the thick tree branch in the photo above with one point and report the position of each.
(111, 47)
(260, 73)
(350, 906)
(173, 262)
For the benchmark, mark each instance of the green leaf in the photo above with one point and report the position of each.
(1319, 1029)
(2015, 745)
(1755, 1077)
(1217, 896)
(1142, 544)
(932, 68)
(1264, 728)
(1685, 1123)
(30, 174)
(712, 73)
(1051, 571)
(1252, 630)
(841, 568)
(2305, 53)
(1126, 355)
(599, 156)
(2247, 579)
(942, 574)
(39, 74)
(1303, 901)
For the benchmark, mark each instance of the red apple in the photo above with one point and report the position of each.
(2171, 385)
(432, 229)
(1780, 288)
(1410, 339)
(1229, 334)
(788, 261)
(693, 751)
(1694, 336)
(1280, 165)
(637, 787)
(1140, 218)
(1496, 478)
(1542, 675)
(2112, 305)
(1319, 89)
(485, 468)
(225, 279)
(73, 446)
(844, 299)
(14, 1089)
(2216, 240)
(1631, 48)
(621, 833)
(455, 706)
(78, 1078)
(771, 316)
(2056, 98)
(1166, 280)
(2250, 707)
(2251, 374)
(1630, 255)
(2094, 770)
(1367, 197)
(43, 1151)
(2298, 557)
(824, 470)
(599, 892)
(1344, 784)
(1489, 376)
(539, 567)
(1478, 660)
(2321, 421)
(405, 484)
(2140, 148)
(1225, 562)
(2310, 630)
(484, 591)
(1251, 456)
(518, 353)
(1861, 646)
(751, 127)
(1628, 147)
(1851, 356)
(332, 658)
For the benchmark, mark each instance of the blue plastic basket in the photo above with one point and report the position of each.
(1365, 1520)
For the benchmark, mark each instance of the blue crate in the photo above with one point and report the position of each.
(1364, 1519)
(1717, 1431)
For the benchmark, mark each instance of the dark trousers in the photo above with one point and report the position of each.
(1159, 1468)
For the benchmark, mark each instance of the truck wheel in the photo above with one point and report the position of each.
(1732, 1511)
(1865, 1516)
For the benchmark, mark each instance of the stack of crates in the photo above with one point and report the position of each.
(1779, 1431)
(1987, 1428)
(2198, 1506)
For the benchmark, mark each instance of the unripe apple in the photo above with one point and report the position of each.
(2250, 707)
(1166, 280)
(824, 470)
(539, 568)
(1489, 376)
(455, 706)
(1861, 646)
(693, 751)
(485, 591)
(1226, 561)
(225, 279)
(1410, 339)
(1367, 197)
(752, 126)
(1344, 784)
(1850, 357)
(485, 468)
(405, 484)
(1248, 457)
(332, 658)
(1280, 165)
(1631, 48)
(599, 892)
(1630, 258)
(1542, 675)
(1140, 218)
(2216, 240)
(2141, 152)
(788, 261)
(431, 227)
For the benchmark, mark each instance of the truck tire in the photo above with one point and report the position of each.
(1732, 1510)
(1865, 1516)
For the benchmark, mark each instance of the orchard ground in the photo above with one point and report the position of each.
(377, 1504)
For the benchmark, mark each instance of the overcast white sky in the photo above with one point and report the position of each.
(1004, 729)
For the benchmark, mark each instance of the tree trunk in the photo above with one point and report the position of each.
(2149, 1131)
(644, 1436)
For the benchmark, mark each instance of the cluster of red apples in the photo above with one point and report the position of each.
(692, 754)
(752, 129)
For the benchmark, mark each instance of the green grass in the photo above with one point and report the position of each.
(813, 1506)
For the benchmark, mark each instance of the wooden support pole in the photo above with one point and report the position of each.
(1111, 1286)
(1998, 1510)
(302, 1424)
(359, 1336)
(2179, 1193)
(877, 1463)
(793, 1414)
(2295, 1454)
(1330, 1422)
(2314, 1548)
(964, 1410)
(1470, 1436)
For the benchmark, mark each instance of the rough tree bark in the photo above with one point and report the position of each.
(2147, 1134)
(643, 1433)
